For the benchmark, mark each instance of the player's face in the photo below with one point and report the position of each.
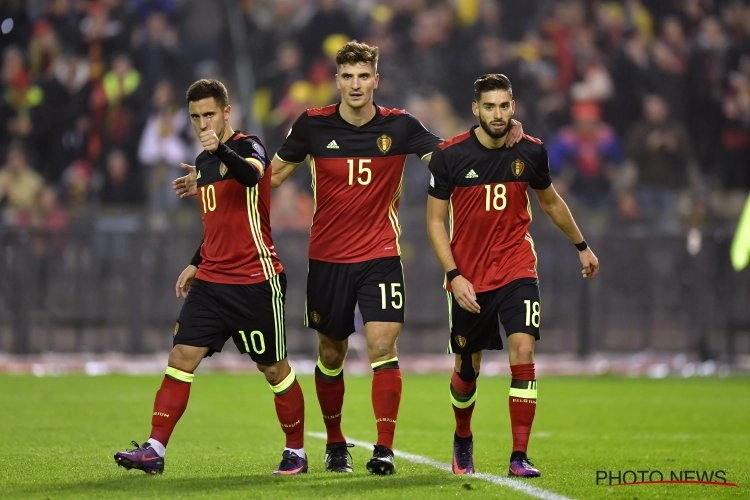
(494, 110)
(207, 115)
(357, 83)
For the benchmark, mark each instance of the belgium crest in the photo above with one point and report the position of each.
(384, 143)
(517, 167)
(223, 170)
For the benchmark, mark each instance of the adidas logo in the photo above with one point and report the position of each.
(332, 145)
(472, 174)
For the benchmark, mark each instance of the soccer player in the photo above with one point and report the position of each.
(357, 154)
(234, 286)
(489, 259)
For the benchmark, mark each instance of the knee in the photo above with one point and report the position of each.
(469, 369)
(186, 358)
(275, 373)
(523, 353)
(332, 356)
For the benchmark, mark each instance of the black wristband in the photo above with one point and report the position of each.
(452, 274)
(581, 246)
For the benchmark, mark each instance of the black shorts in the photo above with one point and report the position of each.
(333, 291)
(252, 315)
(515, 305)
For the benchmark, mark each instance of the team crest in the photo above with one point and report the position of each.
(176, 328)
(223, 170)
(461, 341)
(517, 167)
(384, 143)
(315, 317)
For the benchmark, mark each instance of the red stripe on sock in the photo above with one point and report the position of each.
(290, 408)
(386, 397)
(169, 405)
(463, 415)
(331, 399)
(522, 410)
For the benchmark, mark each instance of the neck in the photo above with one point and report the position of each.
(357, 116)
(228, 133)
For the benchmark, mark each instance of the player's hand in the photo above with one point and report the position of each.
(209, 140)
(187, 185)
(515, 133)
(589, 264)
(184, 280)
(463, 291)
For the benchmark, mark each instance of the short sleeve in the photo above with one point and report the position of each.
(441, 184)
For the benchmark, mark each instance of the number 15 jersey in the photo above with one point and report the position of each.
(357, 179)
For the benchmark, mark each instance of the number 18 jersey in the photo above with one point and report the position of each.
(490, 210)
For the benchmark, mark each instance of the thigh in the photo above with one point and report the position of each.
(520, 307)
(200, 321)
(256, 319)
(380, 290)
(472, 332)
(331, 298)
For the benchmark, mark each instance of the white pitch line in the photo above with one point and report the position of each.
(514, 484)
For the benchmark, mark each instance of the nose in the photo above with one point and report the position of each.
(205, 122)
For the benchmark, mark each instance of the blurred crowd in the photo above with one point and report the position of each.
(644, 105)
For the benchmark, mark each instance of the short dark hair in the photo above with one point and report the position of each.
(491, 81)
(357, 52)
(204, 88)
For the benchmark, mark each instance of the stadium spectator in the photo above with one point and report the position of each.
(490, 261)
(234, 286)
(587, 156)
(163, 145)
(661, 151)
(20, 184)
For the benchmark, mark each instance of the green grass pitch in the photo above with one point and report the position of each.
(58, 435)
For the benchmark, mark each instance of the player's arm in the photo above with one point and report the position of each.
(187, 185)
(237, 165)
(463, 290)
(557, 210)
(280, 170)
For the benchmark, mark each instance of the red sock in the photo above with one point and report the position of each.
(330, 391)
(463, 395)
(522, 404)
(386, 396)
(290, 408)
(169, 405)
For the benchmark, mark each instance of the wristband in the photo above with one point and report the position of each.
(581, 246)
(452, 274)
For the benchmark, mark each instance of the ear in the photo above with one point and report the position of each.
(338, 84)
(227, 113)
(475, 108)
(377, 80)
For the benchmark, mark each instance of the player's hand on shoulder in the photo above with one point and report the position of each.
(515, 133)
(185, 280)
(187, 185)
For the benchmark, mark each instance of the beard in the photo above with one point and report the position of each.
(495, 134)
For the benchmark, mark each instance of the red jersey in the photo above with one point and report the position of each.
(490, 210)
(237, 245)
(357, 178)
